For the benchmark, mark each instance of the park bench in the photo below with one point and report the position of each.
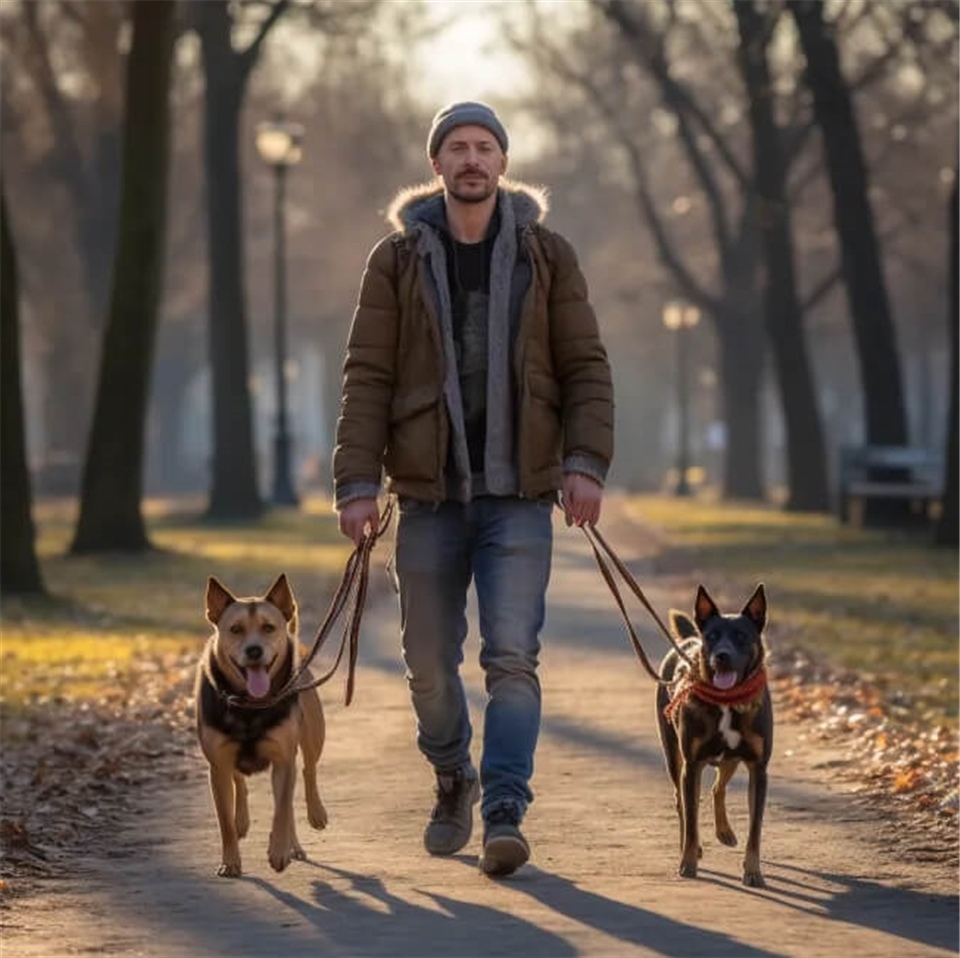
(905, 473)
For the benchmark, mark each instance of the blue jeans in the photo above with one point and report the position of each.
(504, 545)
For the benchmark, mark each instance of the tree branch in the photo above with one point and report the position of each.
(675, 94)
(669, 254)
(248, 57)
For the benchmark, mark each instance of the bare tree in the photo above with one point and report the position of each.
(19, 568)
(862, 267)
(234, 492)
(781, 304)
(732, 302)
(63, 70)
(110, 507)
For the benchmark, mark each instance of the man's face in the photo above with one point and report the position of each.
(470, 162)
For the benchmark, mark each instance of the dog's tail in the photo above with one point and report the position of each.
(682, 626)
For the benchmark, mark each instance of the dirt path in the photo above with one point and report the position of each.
(602, 879)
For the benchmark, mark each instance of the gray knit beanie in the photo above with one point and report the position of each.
(461, 114)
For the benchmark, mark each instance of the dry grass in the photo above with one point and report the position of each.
(880, 604)
(108, 613)
(885, 607)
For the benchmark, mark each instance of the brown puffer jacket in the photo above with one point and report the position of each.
(393, 415)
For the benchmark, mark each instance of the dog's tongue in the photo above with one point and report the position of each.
(724, 680)
(258, 683)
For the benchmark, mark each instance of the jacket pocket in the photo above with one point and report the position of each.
(413, 446)
(541, 437)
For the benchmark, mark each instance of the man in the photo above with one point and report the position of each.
(476, 380)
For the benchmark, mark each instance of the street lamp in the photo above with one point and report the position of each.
(278, 143)
(680, 317)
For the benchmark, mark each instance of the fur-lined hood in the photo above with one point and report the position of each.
(423, 204)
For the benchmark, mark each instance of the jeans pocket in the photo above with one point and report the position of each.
(409, 506)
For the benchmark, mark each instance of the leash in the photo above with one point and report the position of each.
(737, 697)
(351, 595)
(598, 543)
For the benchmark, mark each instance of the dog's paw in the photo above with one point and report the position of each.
(751, 871)
(687, 869)
(229, 870)
(727, 837)
(298, 854)
(279, 854)
(317, 816)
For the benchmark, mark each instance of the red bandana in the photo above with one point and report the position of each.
(739, 695)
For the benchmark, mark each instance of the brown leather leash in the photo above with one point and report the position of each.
(598, 543)
(350, 595)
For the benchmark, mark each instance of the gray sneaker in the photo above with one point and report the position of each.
(504, 847)
(451, 821)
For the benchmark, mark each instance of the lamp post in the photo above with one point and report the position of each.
(681, 318)
(278, 143)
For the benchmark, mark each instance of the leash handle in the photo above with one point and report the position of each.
(597, 542)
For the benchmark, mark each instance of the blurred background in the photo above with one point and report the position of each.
(760, 194)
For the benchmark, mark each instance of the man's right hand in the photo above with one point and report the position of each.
(358, 517)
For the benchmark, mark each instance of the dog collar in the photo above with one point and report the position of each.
(737, 697)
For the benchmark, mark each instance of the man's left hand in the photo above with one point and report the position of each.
(581, 499)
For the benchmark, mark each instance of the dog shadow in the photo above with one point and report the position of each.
(628, 923)
(910, 914)
(366, 918)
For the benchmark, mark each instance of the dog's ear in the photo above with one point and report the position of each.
(704, 607)
(217, 599)
(756, 608)
(681, 625)
(281, 596)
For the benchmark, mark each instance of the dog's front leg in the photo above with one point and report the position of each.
(690, 799)
(757, 799)
(312, 732)
(725, 832)
(222, 788)
(242, 806)
(282, 837)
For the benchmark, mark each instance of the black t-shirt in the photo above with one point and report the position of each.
(468, 272)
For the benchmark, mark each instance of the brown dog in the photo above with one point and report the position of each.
(717, 711)
(250, 656)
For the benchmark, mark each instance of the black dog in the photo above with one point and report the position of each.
(717, 711)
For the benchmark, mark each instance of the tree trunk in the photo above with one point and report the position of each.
(112, 491)
(948, 526)
(19, 568)
(234, 490)
(87, 168)
(740, 376)
(806, 459)
(874, 332)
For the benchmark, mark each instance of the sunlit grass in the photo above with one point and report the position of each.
(107, 613)
(882, 604)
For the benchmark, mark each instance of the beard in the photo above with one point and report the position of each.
(476, 192)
